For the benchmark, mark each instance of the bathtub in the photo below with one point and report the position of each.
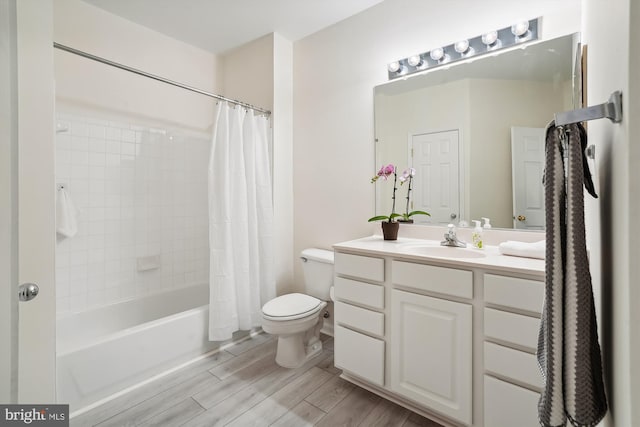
(104, 351)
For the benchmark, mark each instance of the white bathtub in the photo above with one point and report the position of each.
(103, 351)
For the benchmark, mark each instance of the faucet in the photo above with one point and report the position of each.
(450, 238)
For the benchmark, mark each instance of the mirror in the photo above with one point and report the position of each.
(474, 132)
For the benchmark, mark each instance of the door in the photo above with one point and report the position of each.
(27, 370)
(436, 184)
(431, 353)
(527, 162)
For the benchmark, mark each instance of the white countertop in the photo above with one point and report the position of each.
(405, 248)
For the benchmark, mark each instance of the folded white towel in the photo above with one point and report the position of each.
(66, 222)
(523, 249)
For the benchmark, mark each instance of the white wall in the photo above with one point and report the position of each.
(335, 71)
(83, 82)
(247, 72)
(612, 220)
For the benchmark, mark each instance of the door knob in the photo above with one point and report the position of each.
(453, 216)
(28, 291)
(522, 218)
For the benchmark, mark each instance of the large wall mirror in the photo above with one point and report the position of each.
(474, 132)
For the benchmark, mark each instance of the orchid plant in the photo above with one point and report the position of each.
(407, 176)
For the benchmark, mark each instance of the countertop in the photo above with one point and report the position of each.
(409, 249)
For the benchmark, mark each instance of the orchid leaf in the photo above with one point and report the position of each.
(418, 213)
(379, 218)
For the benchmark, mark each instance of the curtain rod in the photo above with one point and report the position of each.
(155, 77)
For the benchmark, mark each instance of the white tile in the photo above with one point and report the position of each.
(96, 131)
(128, 149)
(62, 156)
(128, 135)
(112, 147)
(63, 274)
(95, 256)
(78, 258)
(95, 284)
(79, 172)
(78, 243)
(112, 160)
(96, 242)
(114, 133)
(96, 200)
(79, 143)
(96, 269)
(78, 303)
(97, 145)
(62, 305)
(78, 274)
(112, 266)
(112, 213)
(96, 173)
(95, 214)
(97, 159)
(112, 295)
(79, 129)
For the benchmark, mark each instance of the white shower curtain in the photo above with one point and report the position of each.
(241, 270)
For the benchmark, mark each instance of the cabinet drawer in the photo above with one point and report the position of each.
(359, 318)
(358, 292)
(363, 267)
(514, 292)
(507, 405)
(513, 364)
(511, 328)
(359, 354)
(442, 280)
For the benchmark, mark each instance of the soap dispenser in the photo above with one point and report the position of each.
(487, 223)
(476, 235)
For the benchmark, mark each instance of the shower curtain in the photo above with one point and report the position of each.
(241, 270)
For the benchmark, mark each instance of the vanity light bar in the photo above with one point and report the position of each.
(491, 41)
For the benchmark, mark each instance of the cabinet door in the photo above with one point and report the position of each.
(431, 355)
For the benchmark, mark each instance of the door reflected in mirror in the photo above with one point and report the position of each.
(457, 127)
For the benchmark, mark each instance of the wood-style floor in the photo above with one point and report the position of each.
(243, 386)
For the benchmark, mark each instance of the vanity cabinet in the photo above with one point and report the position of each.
(451, 339)
(359, 320)
(512, 380)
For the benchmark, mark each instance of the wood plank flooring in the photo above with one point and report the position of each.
(243, 386)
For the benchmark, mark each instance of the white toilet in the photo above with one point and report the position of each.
(297, 318)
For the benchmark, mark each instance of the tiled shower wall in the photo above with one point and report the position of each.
(141, 195)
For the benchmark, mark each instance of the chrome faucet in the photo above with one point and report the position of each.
(450, 238)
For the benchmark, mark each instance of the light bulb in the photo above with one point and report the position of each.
(490, 37)
(462, 46)
(414, 61)
(437, 54)
(520, 29)
(393, 67)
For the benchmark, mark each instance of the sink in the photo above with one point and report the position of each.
(445, 251)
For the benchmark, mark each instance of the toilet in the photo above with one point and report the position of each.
(297, 318)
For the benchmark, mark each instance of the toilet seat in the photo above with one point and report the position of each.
(291, 306)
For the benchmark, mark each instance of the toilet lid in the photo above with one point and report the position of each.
(291, 306)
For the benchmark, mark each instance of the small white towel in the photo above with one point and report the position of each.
(523, 249)
(66, 212)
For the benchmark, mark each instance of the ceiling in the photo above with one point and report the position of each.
(222, 25)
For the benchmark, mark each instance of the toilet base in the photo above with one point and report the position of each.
(295, 349)
(292, 352)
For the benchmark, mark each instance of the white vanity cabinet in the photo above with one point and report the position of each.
(359, 321)
(451, 339)
(512, 380)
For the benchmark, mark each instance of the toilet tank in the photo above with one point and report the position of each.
(317, 267)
